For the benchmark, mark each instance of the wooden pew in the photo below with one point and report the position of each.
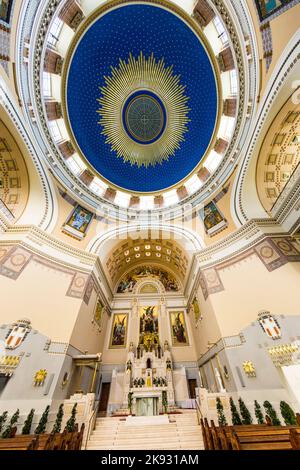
(295, 438)
(58, 441)
(250, 437)
(27, 443)
(273, 441)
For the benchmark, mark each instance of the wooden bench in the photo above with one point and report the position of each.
(59, 441)
(250, 437)
(27, 443)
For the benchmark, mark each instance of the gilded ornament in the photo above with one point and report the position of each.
(143, 110)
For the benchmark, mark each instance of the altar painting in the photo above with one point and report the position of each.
(178, 329)
(119, 331)
(149, 330)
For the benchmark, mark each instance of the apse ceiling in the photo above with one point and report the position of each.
(133, 252)
(140, 94)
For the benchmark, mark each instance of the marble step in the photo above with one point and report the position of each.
(142, 431)
(145, 447)
(124, 437)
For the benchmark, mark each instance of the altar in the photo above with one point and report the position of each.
(147, 401)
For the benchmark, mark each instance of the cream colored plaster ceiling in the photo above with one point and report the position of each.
(130, 253)
(279, 155)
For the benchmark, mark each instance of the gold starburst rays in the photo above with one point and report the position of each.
(151, 75)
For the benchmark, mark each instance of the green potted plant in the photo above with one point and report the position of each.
(130, 402)
(28, 423)
(59, 418)
(41, 427)
(271, 413)
(7, 433)
(71, 423)
(165, 401)
(3, 418)
(245, 413)
(236, 420)
(258, 413)
(287, 414)
(220, 410)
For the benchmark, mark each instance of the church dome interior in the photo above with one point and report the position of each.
(149, 224)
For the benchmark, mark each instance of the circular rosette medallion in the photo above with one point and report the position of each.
(144, 112)
(144, 117)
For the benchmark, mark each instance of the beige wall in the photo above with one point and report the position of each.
(39, 294)
(248, 289)
(283, 28)
(86, 335)
(207, 329)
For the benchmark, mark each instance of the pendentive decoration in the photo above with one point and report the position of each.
(144, 112)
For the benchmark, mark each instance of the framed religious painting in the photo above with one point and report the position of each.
(98, 313)
(118, 335)
(5, 10)
(196, 308)
(269, 8)
(178, 329)
(213, 219)
(78, 222)
(149, 327)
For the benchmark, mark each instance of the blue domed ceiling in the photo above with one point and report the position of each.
(141, 96)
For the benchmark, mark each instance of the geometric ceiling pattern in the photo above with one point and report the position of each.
(14, 181)
(279, 154)
(130, 253)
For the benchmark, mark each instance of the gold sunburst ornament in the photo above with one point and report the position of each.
(143, 110)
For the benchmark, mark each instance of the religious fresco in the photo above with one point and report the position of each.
(119, 331)
(266, 8)
(78, 222)
(212, 218)
(98, 313)
(149, 330)
(5, 10)
(127, 284)
(178, 329)
(196, 309)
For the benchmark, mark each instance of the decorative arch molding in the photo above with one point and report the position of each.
(192, 239)
(245, 203)
(46, 210)
(148, 281)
